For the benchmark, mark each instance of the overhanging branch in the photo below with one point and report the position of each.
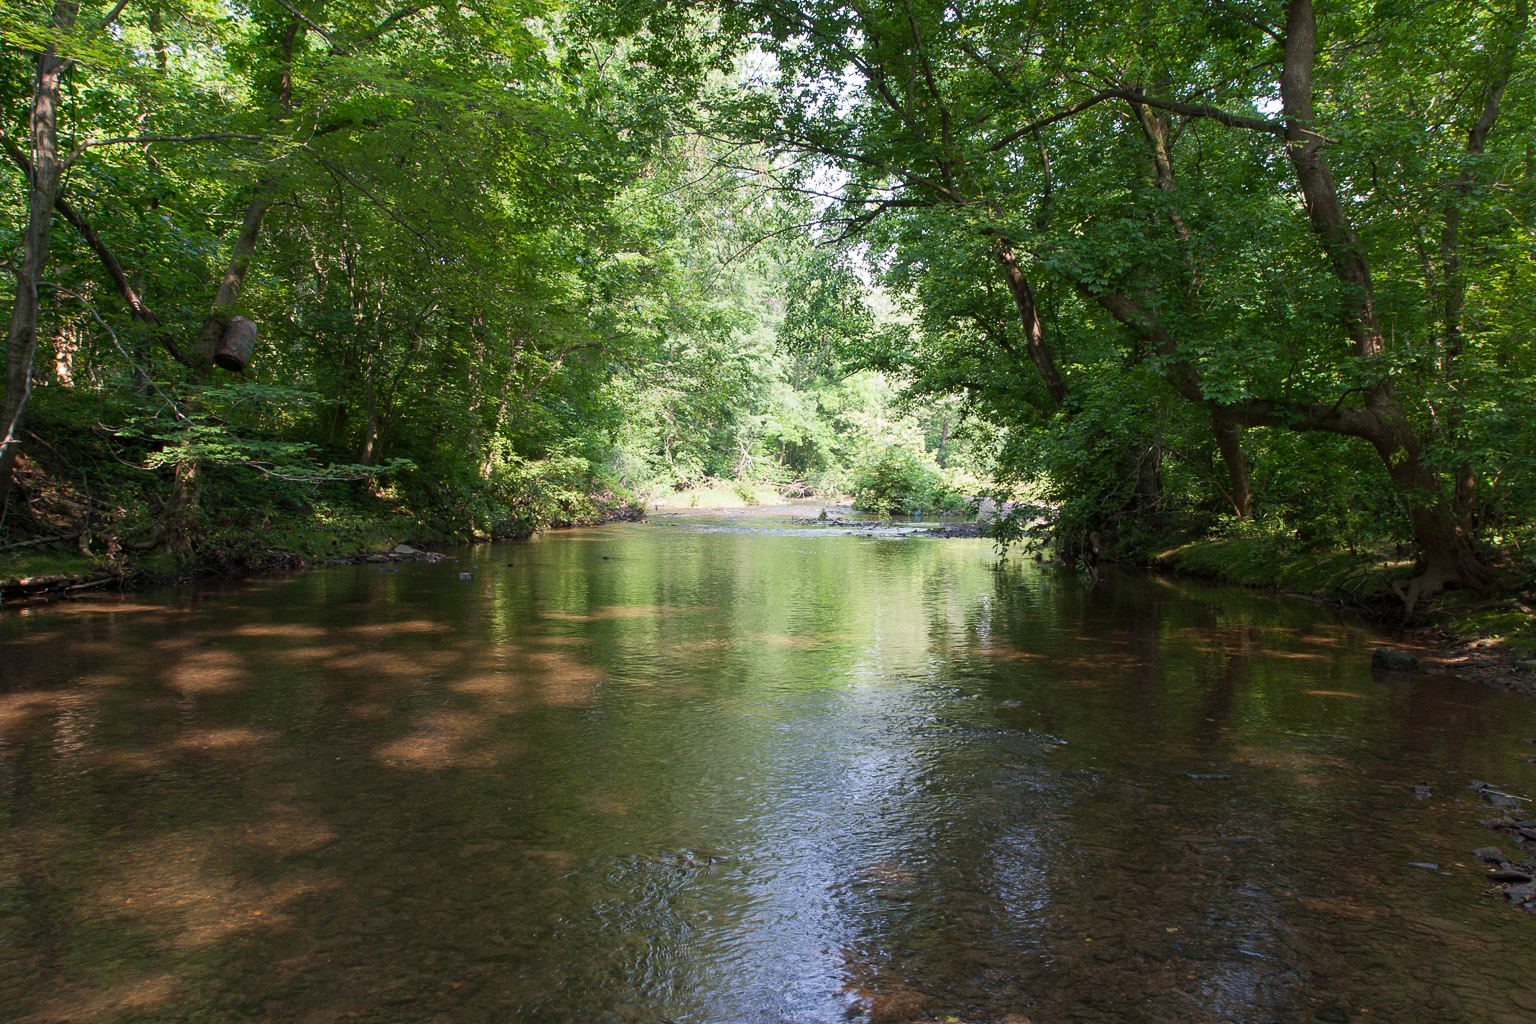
(81, 147)
(1256, 124)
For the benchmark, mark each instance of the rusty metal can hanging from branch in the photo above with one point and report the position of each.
(237, 345)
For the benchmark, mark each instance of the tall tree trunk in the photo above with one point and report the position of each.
(224, 301)
(1446, 550)
(1228, 435)
(43, 188)
(372, 426)
(1455, 293)
(1229, 442)
(1029, 317)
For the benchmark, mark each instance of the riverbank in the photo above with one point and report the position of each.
(316, 534)
(1489, 638)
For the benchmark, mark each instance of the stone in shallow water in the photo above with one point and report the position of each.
(1388, 659)
(1498, 799)
(1521, 893)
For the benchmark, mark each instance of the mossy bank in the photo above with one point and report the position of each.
(1489, 636)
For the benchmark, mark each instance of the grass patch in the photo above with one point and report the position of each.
(1269, 562)
(723, 494)
(1502, 619)
(1506, 621)
(30, 565)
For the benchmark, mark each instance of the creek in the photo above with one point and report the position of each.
(724, 768)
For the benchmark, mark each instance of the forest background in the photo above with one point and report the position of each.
(1241, 279)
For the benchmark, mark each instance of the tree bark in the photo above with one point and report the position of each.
(1455, 295)
(1229, 442)
(228, 295)
(1446, 549)
(43, 188)
(1034, 335)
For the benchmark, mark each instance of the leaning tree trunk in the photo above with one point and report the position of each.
(1446, 550)
(43, 188)
(1029, 317)
(186, 482)
(1228, 435)
(184, 491)
(228, 295)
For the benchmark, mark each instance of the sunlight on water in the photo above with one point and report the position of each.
(716, 770)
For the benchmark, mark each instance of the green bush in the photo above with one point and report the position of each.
(746, 490)
(898, 479)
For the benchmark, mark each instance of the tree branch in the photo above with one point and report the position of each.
(112, 15)
(81, 147)
(1255, 124)
(307, 20)
(386, 25)
(140, 311)
(344, 175)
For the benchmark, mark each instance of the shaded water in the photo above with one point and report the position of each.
(696, 772)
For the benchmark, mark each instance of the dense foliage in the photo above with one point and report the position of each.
(1244, 262)
(502, 277)
(1176, 268)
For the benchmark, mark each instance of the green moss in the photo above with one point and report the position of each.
(156, 563)
(39, 564)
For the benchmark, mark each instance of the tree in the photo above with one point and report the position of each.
(1057, 137)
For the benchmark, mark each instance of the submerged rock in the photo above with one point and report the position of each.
(1499, 799)
(1388, 659)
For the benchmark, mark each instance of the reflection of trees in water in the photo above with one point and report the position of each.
(716, 776)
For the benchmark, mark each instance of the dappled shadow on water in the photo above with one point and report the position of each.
(738, 777)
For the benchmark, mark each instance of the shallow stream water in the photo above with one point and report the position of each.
(709, 769)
